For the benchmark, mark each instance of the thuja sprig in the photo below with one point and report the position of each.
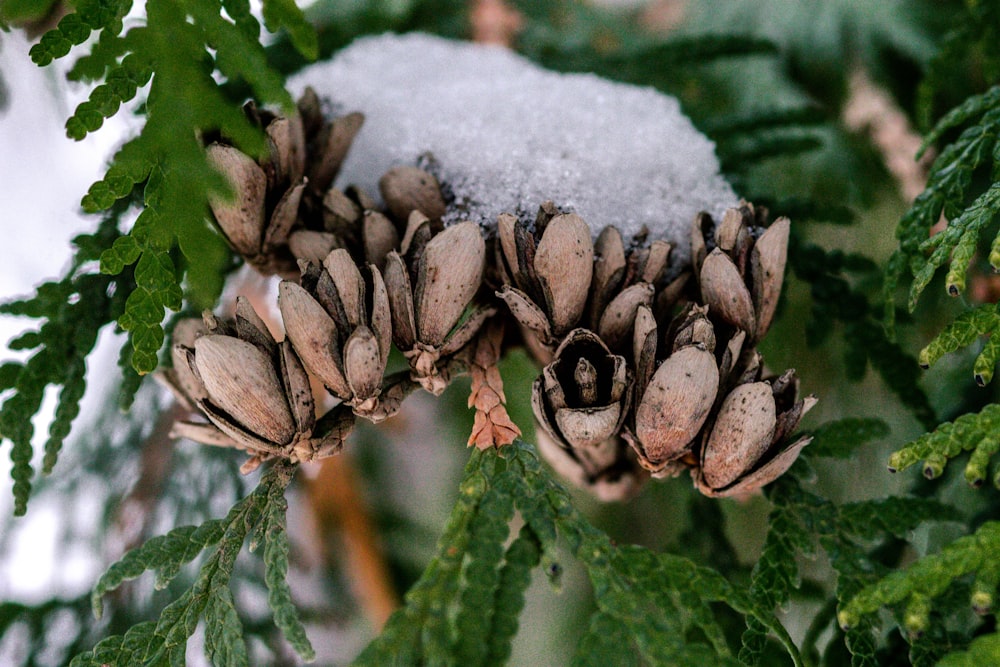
(917, 587)
(261, 516)
(140, 276)
(949, 187)
(72, 311)
(968, 327)
(177, 51)
(467, 600)
(975, 432)
(849, 534)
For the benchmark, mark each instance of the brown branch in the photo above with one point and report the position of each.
(492, 427)
(134, 512)
(869, 108)
(494, 22)
(334, 496)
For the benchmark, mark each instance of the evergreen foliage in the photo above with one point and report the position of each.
(660, 605)
(768, 85)
(262, 514)
(73, 310)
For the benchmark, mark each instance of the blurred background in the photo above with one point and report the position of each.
(817, 109)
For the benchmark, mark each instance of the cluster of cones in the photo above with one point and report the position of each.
(642, 375)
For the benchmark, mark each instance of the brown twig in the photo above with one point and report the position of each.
(494, 22)
(134, 512)
(492, 427)
(870, 108)
(334, 496)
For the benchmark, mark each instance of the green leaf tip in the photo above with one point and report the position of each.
(211, 598)
(286, 14)
(927, 579)
(974, 432)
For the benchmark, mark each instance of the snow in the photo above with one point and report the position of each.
(508, 135)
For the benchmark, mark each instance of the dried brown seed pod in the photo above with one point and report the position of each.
(431, 288)
(327, 145)
(378, 238)
(746, 448)
(617, 320)
(273, 199)
(742, 277)
(254, 392)
(674, 402)
(580, 401)
(312, 246)
(723, 289)
(767, 272)
(338, 321)
(581, 398)
(623, 281)
(548, 273)
(408, 189)
(242, 220)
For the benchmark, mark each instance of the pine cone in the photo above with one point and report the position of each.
(674, 401)
(338, 321)
(624, 279)
(547, 274)
(741, 278)
(580, 402)
(254, 392)
(283, 207)
(431, 286)
(409, 189)
(745, 449)
(706, 407)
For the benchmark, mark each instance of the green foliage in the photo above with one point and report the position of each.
(177, 51)
(917, 586)
(285, 13)
(971, 325)
(73, 310)
(968, 57)
(819, 39)
(802, 519)
(40, 622)
(951, 185)
(661, 604)
(831, 276)
(750, 76)
(982, 651)
(975, 432)
(841, 438)
(210, 598)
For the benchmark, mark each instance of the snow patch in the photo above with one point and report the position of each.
(508, 135)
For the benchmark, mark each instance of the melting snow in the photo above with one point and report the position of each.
(508, 135)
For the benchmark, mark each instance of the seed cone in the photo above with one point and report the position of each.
(624, 279)
(338, 321)
(580, 402)
(741, 278)
(647, 370)
(746, 448)
(547, 273)
(253, 391)
(431, 284)
(283, 207)
(675, 402)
